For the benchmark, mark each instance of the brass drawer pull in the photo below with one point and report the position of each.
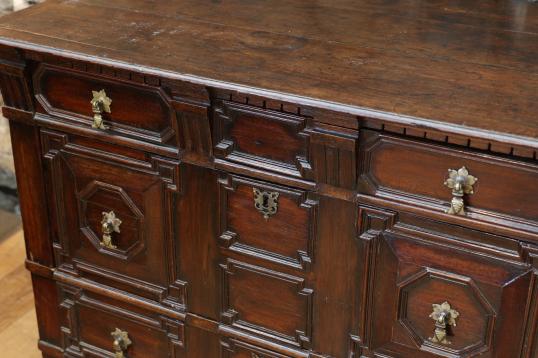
(266, 202)
(254, 355)
(109, 224)
(100, 103)
(444, 317)
(121, 342)
(461, 182)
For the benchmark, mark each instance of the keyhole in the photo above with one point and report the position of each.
(265, 200)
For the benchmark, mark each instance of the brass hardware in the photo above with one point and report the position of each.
(444, 317)
(100, 103)
(109, 224)
(461, 182)
(121, 342)
(266, 202)
(254, 355)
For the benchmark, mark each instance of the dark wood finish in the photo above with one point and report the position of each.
(351, 111)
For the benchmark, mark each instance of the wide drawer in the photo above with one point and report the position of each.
(95, 326)
(134, 109)
(414, 172)
(109, 210)
(433, 292)
(233, 348)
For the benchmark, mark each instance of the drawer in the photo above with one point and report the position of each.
(95, 326)
(109, 211)
(506, 192)
(264, 139)
(267, 303)
(432, 294)
(137, 110)
(233, 348)
(267, 221)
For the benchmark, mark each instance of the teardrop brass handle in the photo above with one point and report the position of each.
(109, 224)
(100, 103)
(444, 316)
(461, 183)
(121, 342)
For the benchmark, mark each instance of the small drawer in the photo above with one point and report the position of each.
(233, 348)
(432, 295)
(270, 304)
(263, 139)
(267, 221)
(505, 192)
(135, 109)
(96, 326)
(109, 208)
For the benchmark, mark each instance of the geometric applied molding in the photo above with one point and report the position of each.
(98, 197)
(473, 332)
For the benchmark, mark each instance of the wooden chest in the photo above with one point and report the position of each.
(278, 178)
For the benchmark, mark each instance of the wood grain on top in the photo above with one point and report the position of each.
(466, 63)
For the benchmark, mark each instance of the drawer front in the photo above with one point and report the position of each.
(109, 214)
(264, 139)
(233, 348)
(94, 326)
(271, 304)
(266, 221)
(506, 191)
(430, 297)
(136, 110)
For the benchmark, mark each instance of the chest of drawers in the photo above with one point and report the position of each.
(277, 179)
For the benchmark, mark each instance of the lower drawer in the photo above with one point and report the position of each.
(95, 326)
(236, 349)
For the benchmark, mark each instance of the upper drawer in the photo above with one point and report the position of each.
(263, 139)
(136, 110)
(505, 192)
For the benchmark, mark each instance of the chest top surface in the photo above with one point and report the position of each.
(472, 65)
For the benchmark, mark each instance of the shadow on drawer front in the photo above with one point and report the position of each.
(97, 327)
(232, 348)
(109, 215)
(136, 110)
(267, 221)
(430, 298)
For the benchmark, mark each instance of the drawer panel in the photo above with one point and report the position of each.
(282, 230)
(413, 171)
(87, 186)
(137, 110)
(271, 304)
(261, 138)
(91, 325)
(233, 348)
(431, 297)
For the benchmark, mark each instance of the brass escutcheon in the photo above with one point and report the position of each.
(444, 317)
(461, 183)
(100, 103)
(266, 202)
(109, 224)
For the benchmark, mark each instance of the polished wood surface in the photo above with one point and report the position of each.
(258, 223)
(425, 63)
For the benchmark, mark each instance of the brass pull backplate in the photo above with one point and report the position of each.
(266, 202)
(461, 183)
(100, 103)
(444, 316)
(109, 224)
(121, 342)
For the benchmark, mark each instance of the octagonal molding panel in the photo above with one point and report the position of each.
(98, 197)
(474, 327)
